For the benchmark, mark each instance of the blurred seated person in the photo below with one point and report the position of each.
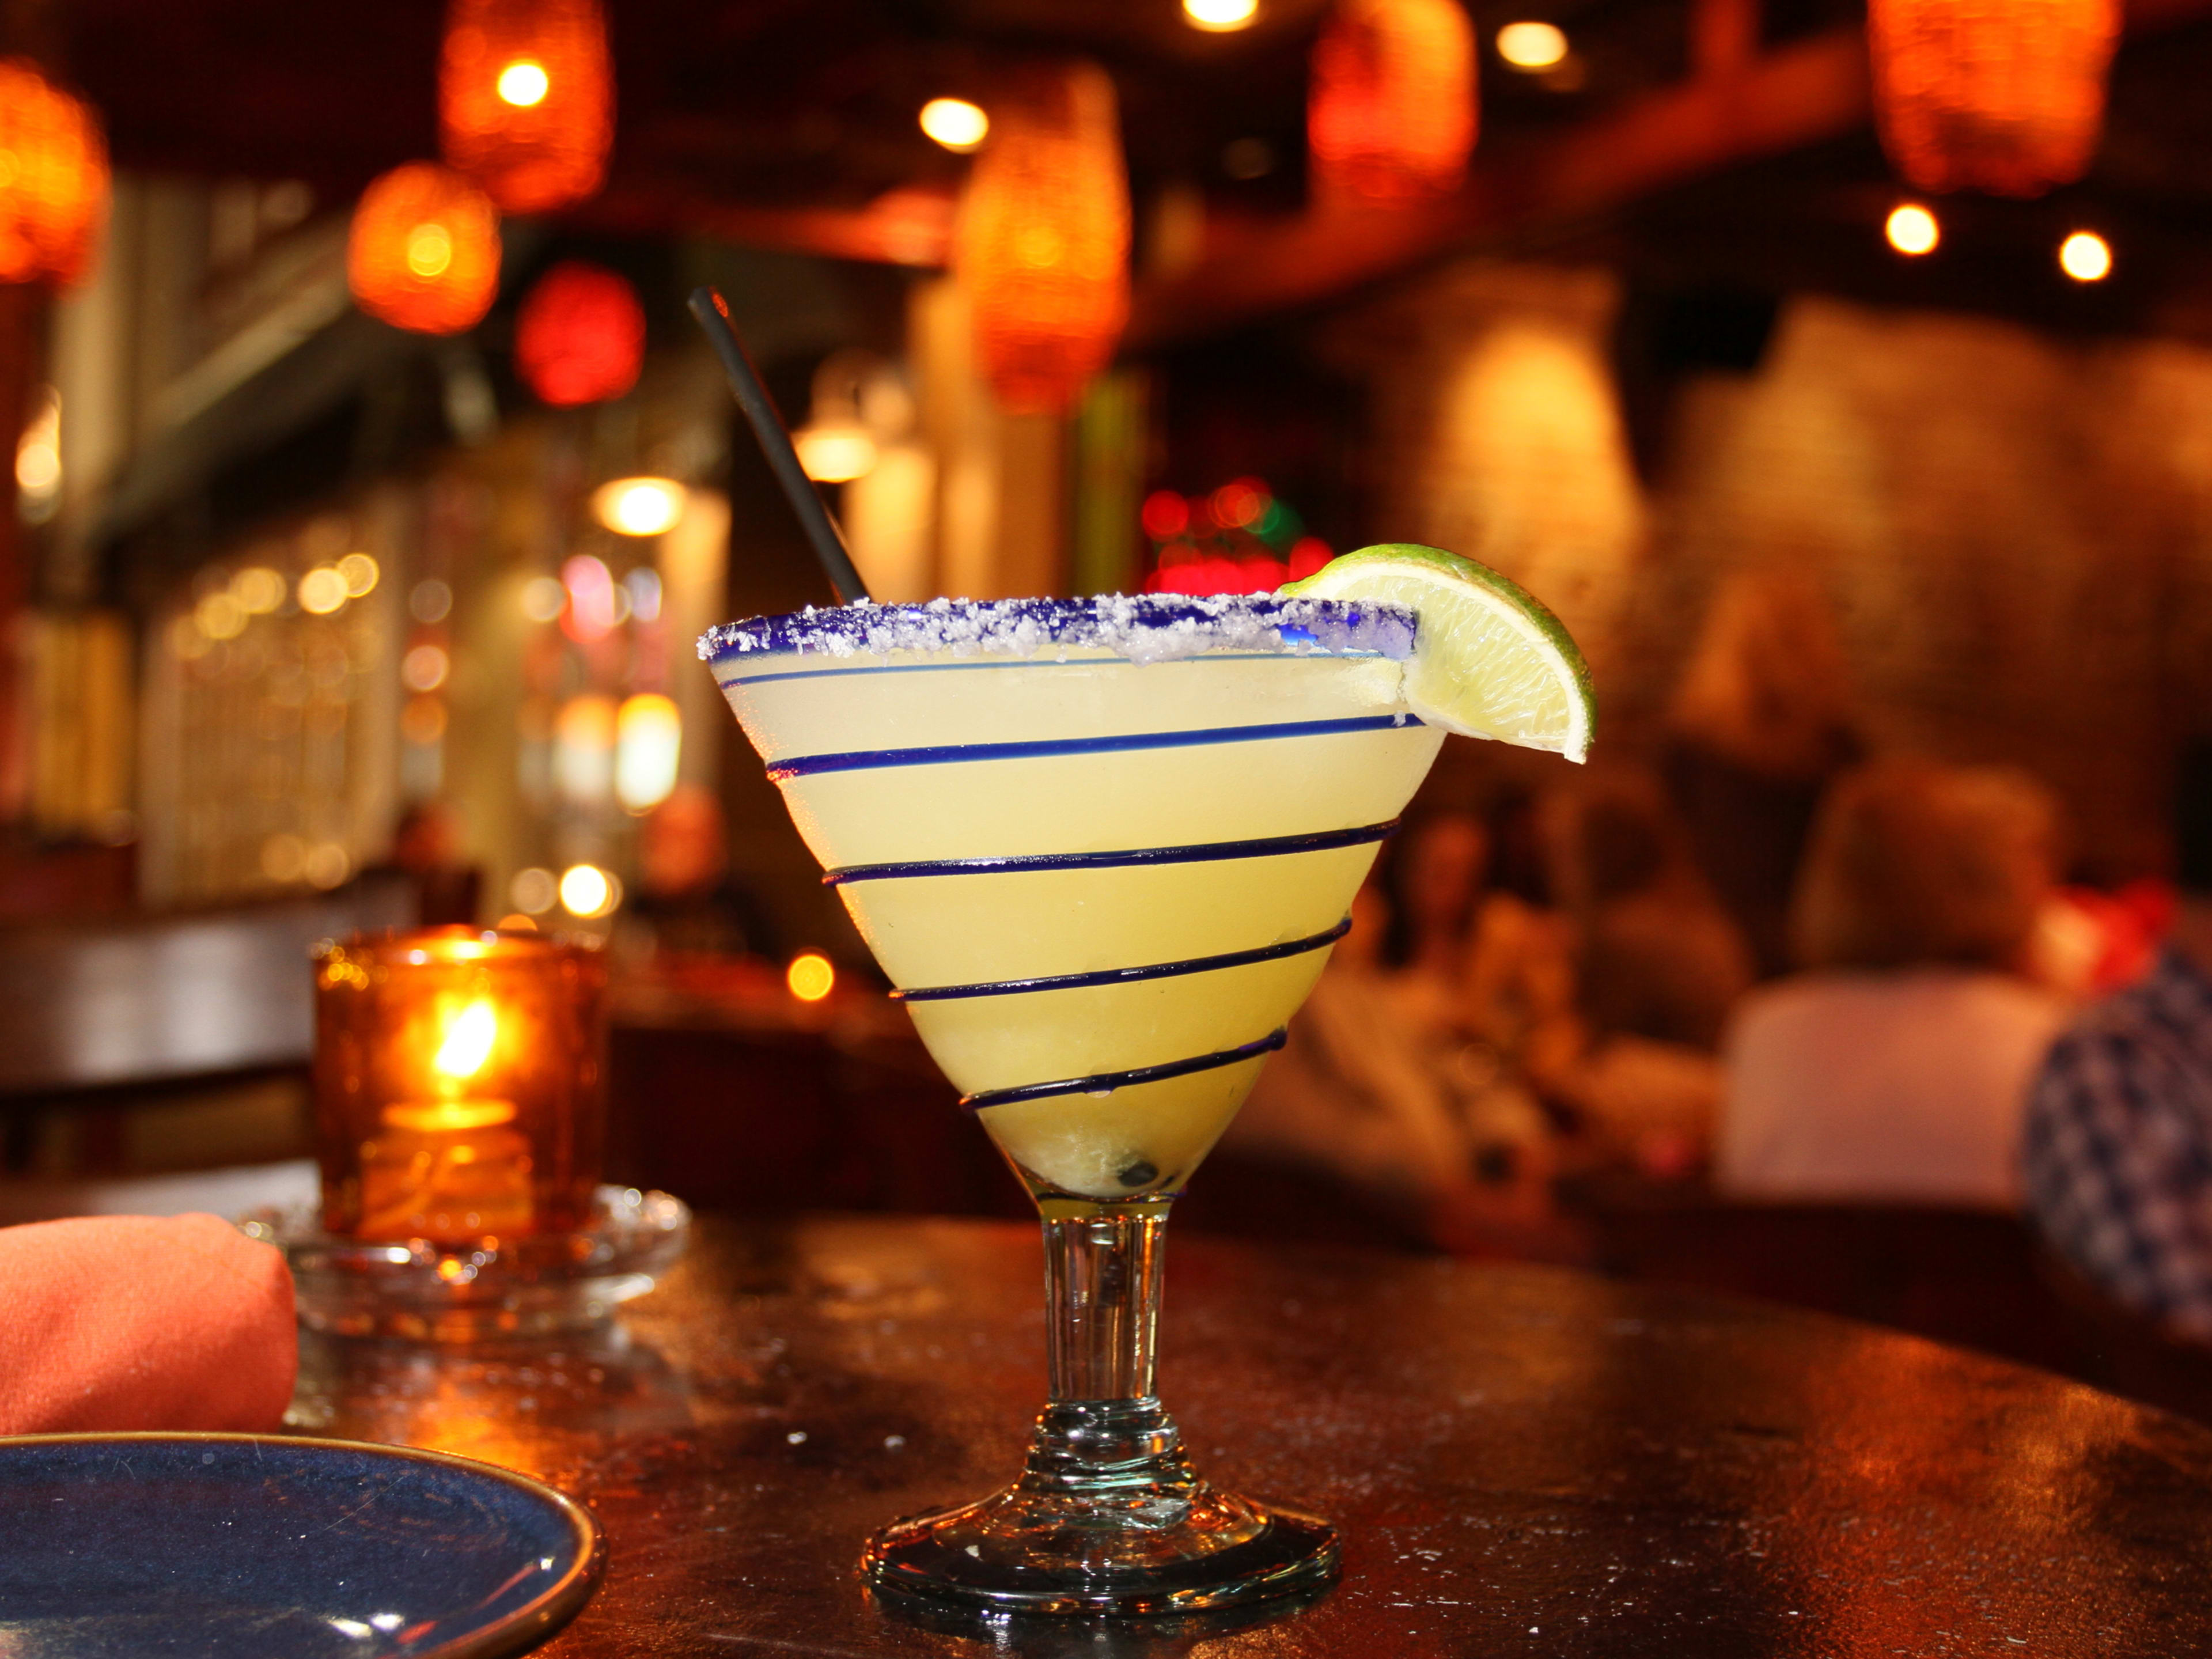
(1762, 721)
(2118, 1142)
(687, 901)
(1655, 956)
(1656, 965)
(427, 846)
(1896, 1067)
(1486, 976)
(1402, 1079)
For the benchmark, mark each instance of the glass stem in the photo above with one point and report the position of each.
(1104, 1438)
(1102, 1287)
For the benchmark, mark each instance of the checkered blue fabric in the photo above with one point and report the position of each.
(2117, 1146)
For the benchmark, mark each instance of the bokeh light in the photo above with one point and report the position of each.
(638, 507)
(220, 616)
(1912, 230)
(431, 601)
(588, 891)
(955, 123)
(584, 748)
(424, 668)
(649, 744)
(593, 609)
(258, 589)
(1241, 502)
(322, 591)
(835, 453)
(1532, 45)
(534, 891)
(359, 572)
(811, 976)
(1220, 17)
(2085, 257)
(544, 598)
(524, 84)
(1165, 514)
(422, 721)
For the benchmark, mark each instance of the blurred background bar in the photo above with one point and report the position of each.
(1840, 374)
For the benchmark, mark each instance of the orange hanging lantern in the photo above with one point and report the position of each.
(527, 100)
(1042, 244)
(2006, 96)
(580, 338)
(1390, 112)
(424, 250)
(54, 179)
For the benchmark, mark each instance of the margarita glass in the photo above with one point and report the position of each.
(1101, 848)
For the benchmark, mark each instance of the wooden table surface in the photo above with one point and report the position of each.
(1523, 1460)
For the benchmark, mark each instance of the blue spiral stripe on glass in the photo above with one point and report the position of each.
(1269, 847)
(1031, 663)
(868, 760)
(1103, 1083)
(1010, 987)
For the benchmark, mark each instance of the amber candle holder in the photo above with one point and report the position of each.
(460, 1085)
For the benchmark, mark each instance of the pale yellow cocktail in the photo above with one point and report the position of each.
(1101, 847)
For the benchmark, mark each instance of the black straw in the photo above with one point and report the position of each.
(775, 443)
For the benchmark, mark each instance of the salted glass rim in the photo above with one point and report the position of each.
(1142, 627)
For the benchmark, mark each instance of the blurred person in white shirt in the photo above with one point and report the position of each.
(1895, 1067)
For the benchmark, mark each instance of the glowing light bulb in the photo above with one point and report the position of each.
(811, 976)
(38, 465)
(258, 589)
(468, 1042)
(638, 507)
(361, 575)
(955, 123)
(2085, 257)
(649, 742)
(322, 591)
(834, 453)
(1220, 17)
(1533, 45)
(1912, 230)
(523, 83)
(429, 249)
(587, 891)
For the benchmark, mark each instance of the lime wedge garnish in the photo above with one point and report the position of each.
(1489, 661)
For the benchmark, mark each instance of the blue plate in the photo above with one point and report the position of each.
(247, 1546)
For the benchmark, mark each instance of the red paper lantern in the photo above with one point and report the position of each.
(580, 338)
(1390, 112)
(424, 250)
(526, 98)
(1042, 245)
(2006, 96)
(54, 179)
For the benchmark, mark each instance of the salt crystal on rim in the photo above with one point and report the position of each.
(1143, 628)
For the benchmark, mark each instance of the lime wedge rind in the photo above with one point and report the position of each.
(1490, 660)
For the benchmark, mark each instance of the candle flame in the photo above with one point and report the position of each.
(468, 1041)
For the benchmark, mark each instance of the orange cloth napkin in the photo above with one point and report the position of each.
(135, 1323)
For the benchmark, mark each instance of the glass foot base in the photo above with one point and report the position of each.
(1088, 1531)
(968, 1555)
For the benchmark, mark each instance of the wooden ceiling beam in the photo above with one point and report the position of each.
(1801, 94)
(1740, 109)
(909, 226)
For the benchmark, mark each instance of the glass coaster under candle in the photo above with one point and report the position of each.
(460, 1124)
(534, 1285)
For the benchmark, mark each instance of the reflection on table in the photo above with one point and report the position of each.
(1522, 1459)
